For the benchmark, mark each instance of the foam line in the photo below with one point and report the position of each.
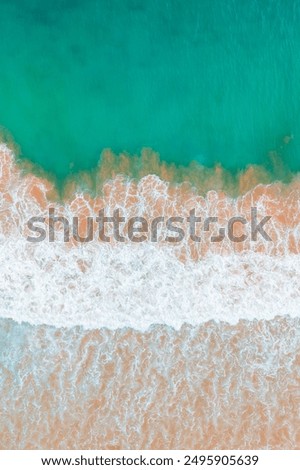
(139, 285)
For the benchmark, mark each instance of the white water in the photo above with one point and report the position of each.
(134, 285)
(139, 285)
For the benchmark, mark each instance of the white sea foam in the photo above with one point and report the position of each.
(135, 285)
(138, 285)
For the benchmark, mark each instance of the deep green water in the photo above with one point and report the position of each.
(207, 80)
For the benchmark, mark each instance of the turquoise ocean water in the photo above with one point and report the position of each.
(207, 80)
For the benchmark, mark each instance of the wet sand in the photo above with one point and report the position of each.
(213, 386)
